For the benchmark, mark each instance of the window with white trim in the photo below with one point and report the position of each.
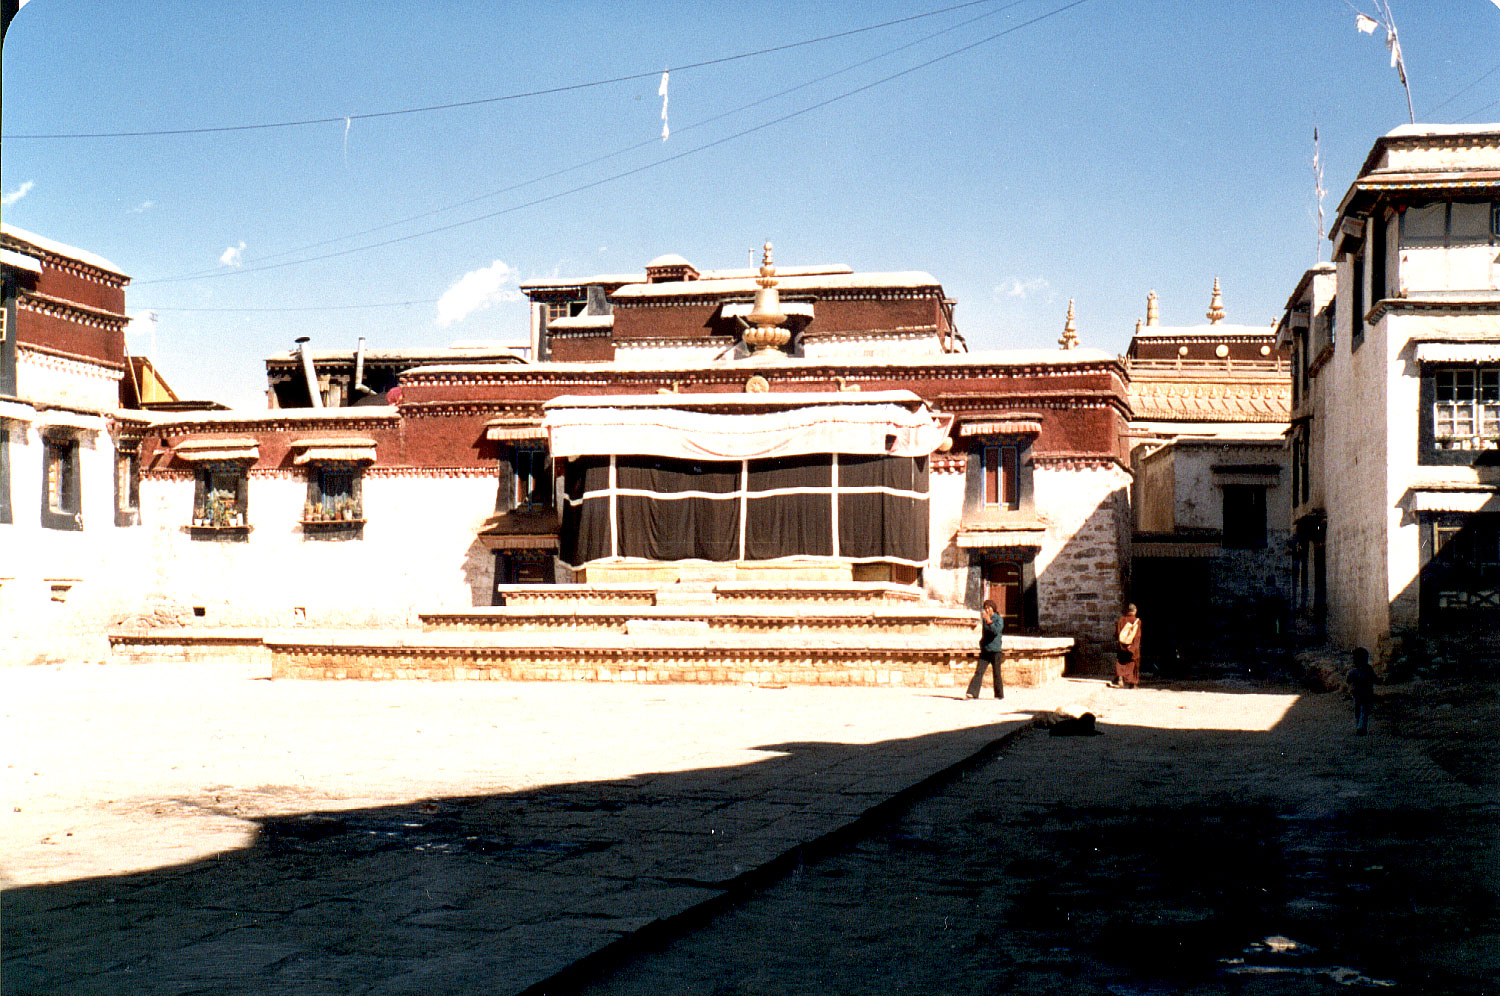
(1466, 408)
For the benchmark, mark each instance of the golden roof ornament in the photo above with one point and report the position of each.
(1070, 331)
(1216, 306)
(766, 336)
(1151, 316)
(1137, 326)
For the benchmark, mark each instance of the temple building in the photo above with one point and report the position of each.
(68, 473)
(1211, 557)
(685, 442)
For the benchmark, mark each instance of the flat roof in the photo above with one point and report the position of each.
(60, 249)
(788, 282)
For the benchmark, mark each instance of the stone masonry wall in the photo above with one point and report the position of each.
(1082, 567)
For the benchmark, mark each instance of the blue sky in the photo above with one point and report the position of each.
(1106, 150)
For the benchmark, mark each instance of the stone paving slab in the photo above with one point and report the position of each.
(1220, 839)
(176, 829)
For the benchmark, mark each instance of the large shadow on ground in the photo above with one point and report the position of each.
(1170, 869)
(1065, 868)
(488, 894)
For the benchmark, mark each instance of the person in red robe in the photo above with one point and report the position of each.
(1128, 649)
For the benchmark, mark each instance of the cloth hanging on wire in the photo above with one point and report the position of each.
(661, 91)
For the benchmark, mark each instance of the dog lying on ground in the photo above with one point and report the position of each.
(1062, 725)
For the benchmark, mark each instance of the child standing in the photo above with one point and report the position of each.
(1361, 680)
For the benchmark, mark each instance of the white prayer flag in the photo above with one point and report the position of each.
(1367, 25)
(661, 91)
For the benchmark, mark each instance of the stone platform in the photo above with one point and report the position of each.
(848, 634)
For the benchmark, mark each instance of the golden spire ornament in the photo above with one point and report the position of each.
(1216, 306)
(1151, 317)
(766, 336)
(1070, 330)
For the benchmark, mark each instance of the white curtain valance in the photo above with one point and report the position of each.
(890, 429)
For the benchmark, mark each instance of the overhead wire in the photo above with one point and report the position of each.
(1463, 90)
(310, 307)
(638, 169)
(650, 142)
(479, 101)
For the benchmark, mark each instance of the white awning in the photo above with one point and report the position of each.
(1008, 427)
(971, 539)
(334, 449)
(57, 418)
(507, 429)
(1458, 352)
(1455, 501)
(204, 450)
(889, 428)
(520, 542)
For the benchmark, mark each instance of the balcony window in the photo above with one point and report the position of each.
(1450, 224)
(1466, 409)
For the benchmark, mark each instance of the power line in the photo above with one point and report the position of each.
(315, 307)
(1480, 110)
(1463, 90)
(504, 97)
(638, 169)
(650, 142)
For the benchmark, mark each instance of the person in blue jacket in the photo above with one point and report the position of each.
(991, 630)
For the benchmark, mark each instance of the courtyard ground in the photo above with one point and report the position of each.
(172, 830)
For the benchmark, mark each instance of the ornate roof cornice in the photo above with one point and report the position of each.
(81, 314)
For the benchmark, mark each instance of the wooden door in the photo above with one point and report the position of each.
(1002, 585)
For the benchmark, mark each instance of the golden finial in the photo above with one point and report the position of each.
(1151, 317)
(767, 336)
(1137, 326)
(1070, 330)
(1216, 306)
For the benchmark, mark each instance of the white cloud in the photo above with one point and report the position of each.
(16, 194)
(1022, 288)
(233, 256)
(477, 290)
(141, 208)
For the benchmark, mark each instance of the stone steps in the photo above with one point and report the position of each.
(850, 633)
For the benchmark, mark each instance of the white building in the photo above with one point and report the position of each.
(1400, 417)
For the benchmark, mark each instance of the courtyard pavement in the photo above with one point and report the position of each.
(186, 830)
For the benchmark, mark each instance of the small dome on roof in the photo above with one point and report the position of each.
(670, 259)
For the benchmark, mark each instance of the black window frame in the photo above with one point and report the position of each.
(533, 485)
(67, 513)
(127, 487)
(1238, 532)
(1357, 299)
